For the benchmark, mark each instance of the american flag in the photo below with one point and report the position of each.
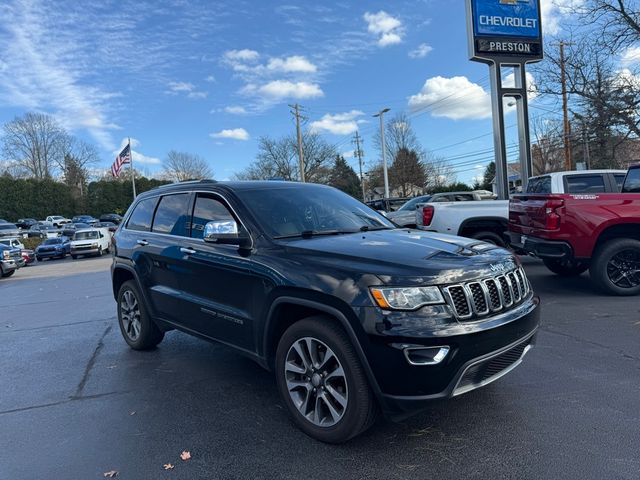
(124, 157)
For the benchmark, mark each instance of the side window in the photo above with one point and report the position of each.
(632, 182)
(207, 209)
(619, 179)
(172, 215)
(585, 184)
(142, 215)
(539, 185)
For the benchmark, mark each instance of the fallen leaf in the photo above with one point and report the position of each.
(168, 466)
(111, 474)
(185, 455)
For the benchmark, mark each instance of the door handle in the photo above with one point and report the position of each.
(142, 242)
(188, 251)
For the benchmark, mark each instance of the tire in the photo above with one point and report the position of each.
(566, 267)
(489, 237)
(137, 328)
(615, 265)
(75, 257)
(8, 274)
(100, 251)
(39, 259)
(352, 387)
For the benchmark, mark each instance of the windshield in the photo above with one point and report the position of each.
(7, 226)
(296, 210)
(411, 204)
(85, 235)
(52, 241)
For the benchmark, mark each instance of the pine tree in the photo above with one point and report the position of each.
(344, 178)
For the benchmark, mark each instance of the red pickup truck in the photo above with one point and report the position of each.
(575, 232)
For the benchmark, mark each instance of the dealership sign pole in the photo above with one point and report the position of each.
(506, 34)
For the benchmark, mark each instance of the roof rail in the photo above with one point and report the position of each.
(187, 182)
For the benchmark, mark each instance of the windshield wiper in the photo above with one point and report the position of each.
(313, 233)
(368, 228)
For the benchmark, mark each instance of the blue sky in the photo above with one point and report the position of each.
(211, 77)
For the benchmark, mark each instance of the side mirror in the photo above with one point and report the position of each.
(226, 232)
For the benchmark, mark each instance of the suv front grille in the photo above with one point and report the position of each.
(479, 298)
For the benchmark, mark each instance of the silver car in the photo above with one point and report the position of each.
(9, 230)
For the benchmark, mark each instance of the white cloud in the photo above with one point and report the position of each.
(421, 51)
(198, 95)
(138, 157)
(236, 110)
(388, 28)
(280, 89)
(180, 86)
(232, 133)
(294, 63)
(348, 154)
(210, 79)
(338, 124)
(458, 98)
(554, 12)
(454, 98)
(244, 55)
(630, 57)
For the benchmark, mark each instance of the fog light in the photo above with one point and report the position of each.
(425, 355)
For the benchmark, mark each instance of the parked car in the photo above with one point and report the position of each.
(57, 220)
(53, 248)
(71, 228)
(489, 220)
(352, 313)
(111, 217)
(91, 241)
(112, 227)
(8, 263)
(88, 219)
(26, 223)
(9, 230)
(29, 256)
(405, 216)
(387, 205)
(575, 232)
(41, 231)
(12, 242)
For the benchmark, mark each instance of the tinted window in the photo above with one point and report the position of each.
(172, 215)
(539, 185)
(585, 184)
(619, 177)
(632, 182)
(207, 209)
(411, 204)
(142, 215)
(52, 241)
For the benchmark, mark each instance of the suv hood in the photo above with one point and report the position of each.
(401, 253)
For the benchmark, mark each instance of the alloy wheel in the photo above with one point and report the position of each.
(316, 382)
(130, 315)
(623, 268)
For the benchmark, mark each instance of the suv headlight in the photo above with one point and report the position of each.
(6, 255)
(410, 298)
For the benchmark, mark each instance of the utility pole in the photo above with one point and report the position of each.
(565, 110)
(296, 113)
(384, 151)
(359, 153)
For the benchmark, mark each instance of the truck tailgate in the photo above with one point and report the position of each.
(529, 210)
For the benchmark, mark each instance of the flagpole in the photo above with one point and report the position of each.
(133, 178)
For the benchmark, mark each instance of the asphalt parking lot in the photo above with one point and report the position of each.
(76, 402)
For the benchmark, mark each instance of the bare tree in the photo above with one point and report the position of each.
(36, 143)
(181, 166)
(547, 151)
(438, 172)
(278, 158)
(618, 21)
(399, 135)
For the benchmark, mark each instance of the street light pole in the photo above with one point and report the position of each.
(384, 152)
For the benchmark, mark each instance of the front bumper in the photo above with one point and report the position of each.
(8, 265)
(539, 247)
(50, 254)
(84, 251)
(475, 359)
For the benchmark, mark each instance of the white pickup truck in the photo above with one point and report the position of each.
(488, 220)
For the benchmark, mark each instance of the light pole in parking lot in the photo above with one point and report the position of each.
(384, 153)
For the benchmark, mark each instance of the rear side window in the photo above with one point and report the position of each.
(619, 178)
(632, 182)
(585, 184)
(207, 209)
(172, 215)
(142, 215)
(539, 185)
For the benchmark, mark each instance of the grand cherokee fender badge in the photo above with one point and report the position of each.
(502, 267)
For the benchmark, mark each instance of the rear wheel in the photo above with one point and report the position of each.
(8, 274)
(616, 267)
(74, 256)
(136, 326)
(489, 237)
(322, 382)
(566, 267)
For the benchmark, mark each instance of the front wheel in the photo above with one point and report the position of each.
(322, 382)
(566, 267)
(489, 237)
(616, 267)
(8, 274)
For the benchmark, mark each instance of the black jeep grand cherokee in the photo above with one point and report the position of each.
(353, 314)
